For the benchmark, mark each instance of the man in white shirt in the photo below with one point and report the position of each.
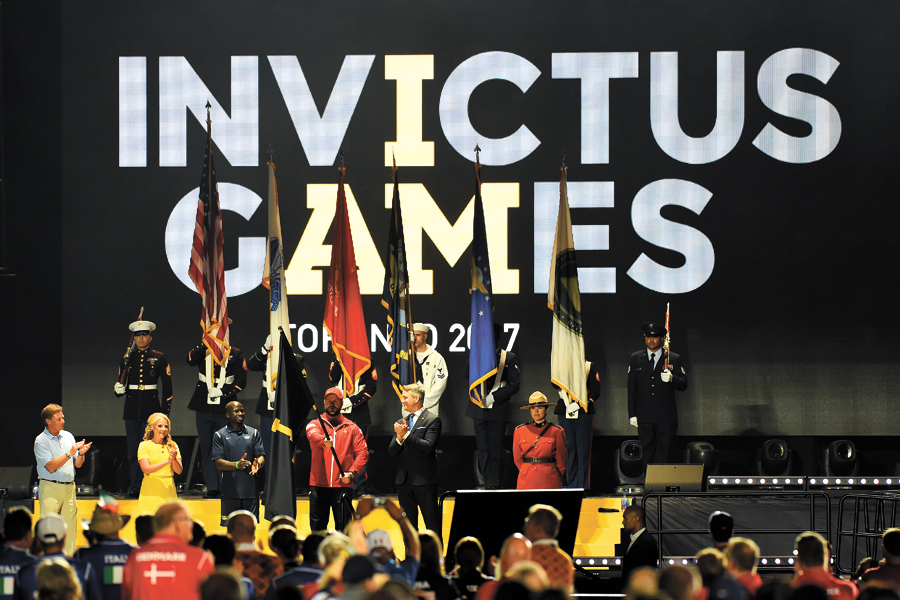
(57, 456)
(431, 371)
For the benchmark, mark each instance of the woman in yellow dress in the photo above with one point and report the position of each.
(160, 459)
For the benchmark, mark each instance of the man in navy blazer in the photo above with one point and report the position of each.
(651, 395)
(414, 447)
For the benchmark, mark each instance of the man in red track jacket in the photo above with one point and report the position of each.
(331, 484)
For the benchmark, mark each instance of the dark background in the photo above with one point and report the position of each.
(792, 334)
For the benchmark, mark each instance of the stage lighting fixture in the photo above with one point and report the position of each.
(854, 482)
(754, 482)
(702, 453)
(630, 463)
(774, 459)
(841, 459)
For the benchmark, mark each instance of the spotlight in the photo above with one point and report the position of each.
(702, 453)
(630, 463)
(841, 459)
(774, 458)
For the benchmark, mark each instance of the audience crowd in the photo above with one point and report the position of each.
(175, 559)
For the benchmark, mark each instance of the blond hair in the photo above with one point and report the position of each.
(151, 423)
(56, 580)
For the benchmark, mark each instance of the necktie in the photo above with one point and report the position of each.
(412, 417)
(653, 361)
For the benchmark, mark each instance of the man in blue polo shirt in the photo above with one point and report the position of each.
(237, 451)
(57, 457)
(14, 553)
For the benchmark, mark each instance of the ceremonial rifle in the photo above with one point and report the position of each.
(123, 376)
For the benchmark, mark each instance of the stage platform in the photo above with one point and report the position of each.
(598, 532)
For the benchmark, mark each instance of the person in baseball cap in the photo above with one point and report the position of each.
(338, 452)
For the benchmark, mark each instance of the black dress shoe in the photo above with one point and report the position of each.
(212, 494)
(133, 494)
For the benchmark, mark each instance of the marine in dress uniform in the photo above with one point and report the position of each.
(651, 395)
(209, 401)
(490, 423)
(539, 449)
(579, 427)
(144, 371)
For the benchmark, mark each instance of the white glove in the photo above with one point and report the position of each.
(267, 345)
(347, 406)
(563, 395)
(572, 410)
(633, 421)
(488, 401)
(666, 376)
(215, 392)
(120, 389)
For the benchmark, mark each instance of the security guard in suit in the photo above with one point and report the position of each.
(651, 395)
(144, 371)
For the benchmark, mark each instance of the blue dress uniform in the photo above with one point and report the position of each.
(210, 412)
(26, 580)
(580, 432)
(147, 369)
(490, 423)
(12, 559)
(239, 490)
(265, 406)
(652, 400)
(107, 558)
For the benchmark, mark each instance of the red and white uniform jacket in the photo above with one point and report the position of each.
(349, 445)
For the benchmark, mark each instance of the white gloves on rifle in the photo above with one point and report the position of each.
(666, 376)
(120, 389)
(633, 421)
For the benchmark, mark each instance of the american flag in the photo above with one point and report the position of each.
(207, 269)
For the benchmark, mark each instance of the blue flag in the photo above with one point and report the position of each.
(482, 352)
(395, 298)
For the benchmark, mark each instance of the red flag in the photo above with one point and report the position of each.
(207, 269)
(343, 304)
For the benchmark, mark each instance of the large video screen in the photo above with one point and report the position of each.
(734, 160)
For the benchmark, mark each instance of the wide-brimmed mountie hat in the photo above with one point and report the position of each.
(653, 330)
(534, 400)
(139, 327)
